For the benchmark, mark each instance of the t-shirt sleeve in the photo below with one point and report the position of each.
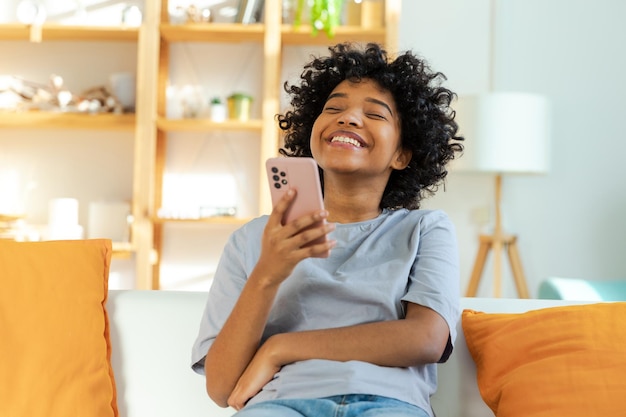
(230, 277)
(434, 278)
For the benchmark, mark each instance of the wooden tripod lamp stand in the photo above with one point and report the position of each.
(506, 133)
(497, 243)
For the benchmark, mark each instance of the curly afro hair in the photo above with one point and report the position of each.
(428, 128)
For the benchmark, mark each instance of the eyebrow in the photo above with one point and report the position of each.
(368, 99)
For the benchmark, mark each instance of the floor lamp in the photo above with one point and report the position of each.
(506, 133)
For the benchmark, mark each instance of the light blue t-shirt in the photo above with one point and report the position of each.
(377, 265)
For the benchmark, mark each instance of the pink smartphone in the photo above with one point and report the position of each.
(300, 173)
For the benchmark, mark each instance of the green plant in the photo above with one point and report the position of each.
(324, 15)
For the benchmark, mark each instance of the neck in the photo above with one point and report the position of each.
(350, 203)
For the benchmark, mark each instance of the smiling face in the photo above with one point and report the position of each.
(358, 132)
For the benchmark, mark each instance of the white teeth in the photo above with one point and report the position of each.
(346, 140)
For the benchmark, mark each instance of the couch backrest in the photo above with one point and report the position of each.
(152, 333)
(151, 336)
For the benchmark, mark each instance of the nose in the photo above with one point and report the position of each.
(350, 118)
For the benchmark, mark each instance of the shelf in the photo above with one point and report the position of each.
(56, 32)
(303, 35)
(233, 32)
(122, 250)
(212, 32)
(217, 220)
(52, 120)
(205, 125)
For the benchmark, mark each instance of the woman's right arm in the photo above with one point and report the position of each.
(238, 340)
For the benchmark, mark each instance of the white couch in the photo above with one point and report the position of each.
(152, 333)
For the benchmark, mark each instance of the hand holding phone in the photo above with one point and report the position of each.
(301, 174)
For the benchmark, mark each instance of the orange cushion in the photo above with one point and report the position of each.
(561, 361)
(54, 332)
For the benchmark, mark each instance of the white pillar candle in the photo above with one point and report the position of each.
(63, 219)
(109, 220)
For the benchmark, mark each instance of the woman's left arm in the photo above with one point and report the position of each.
(420, 338)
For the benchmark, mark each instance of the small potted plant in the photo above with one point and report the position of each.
(324, 15)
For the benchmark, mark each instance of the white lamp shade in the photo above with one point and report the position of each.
(504, 133)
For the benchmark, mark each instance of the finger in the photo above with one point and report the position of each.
(279, 210)
(234, 400)
(299, 232)
(320, 250)
(309, 227)
(306, 222)
(239, 397)
(314, 234)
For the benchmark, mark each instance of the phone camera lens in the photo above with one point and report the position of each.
(276, 185)
(275, 177)
(283, 174)
(274, 170)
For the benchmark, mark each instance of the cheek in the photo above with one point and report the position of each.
(393, 136)
(314, 145)
(396, 132)
(317, 128)
(315, 138)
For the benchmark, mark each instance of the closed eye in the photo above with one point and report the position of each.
(376, 116)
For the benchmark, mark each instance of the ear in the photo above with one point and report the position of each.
(403, 157)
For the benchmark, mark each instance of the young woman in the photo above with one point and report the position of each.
(355, 325)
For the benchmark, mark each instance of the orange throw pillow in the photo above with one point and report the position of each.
(55, 353)
(560, 361)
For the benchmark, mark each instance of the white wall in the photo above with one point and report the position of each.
(569, 222)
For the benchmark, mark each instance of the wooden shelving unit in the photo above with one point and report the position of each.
(152, 129)
(52, 32)
(302, 35)
(167, 35)
(214, 32)
(271, 37)
(207, 220)
(122, 250)
(57, 120)
(204, 125)
(67, 120)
